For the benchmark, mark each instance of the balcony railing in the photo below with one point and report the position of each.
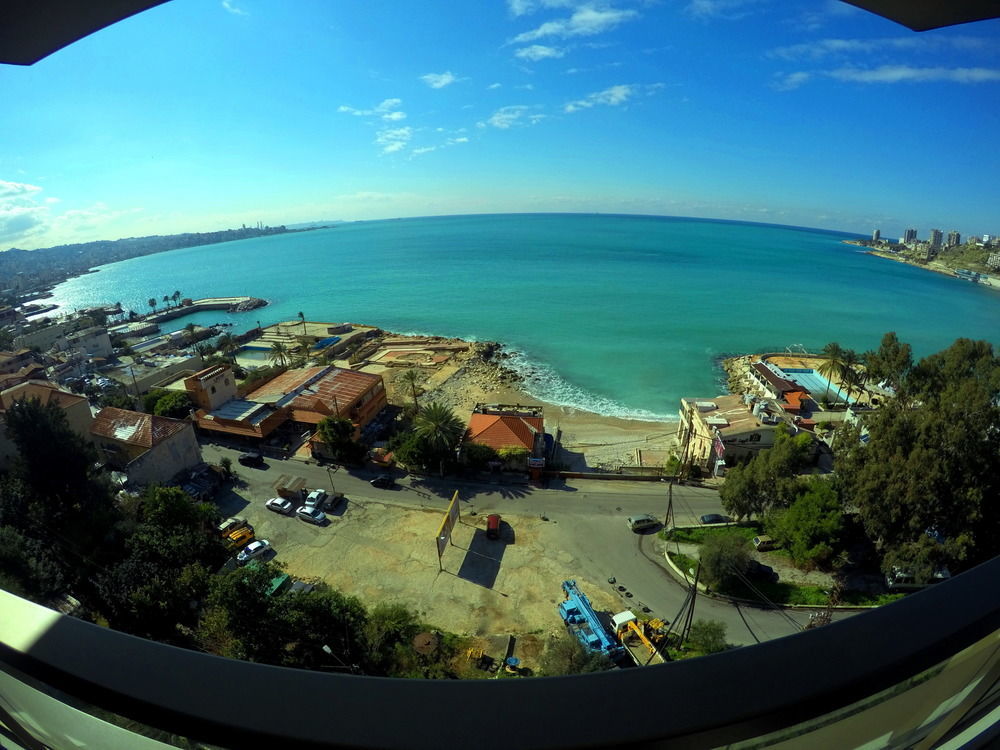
(912, 674)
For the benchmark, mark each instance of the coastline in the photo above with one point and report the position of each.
(481, 374)
(934, 266)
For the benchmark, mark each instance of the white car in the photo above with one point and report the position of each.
(253, 551)
(312, 515)
(279, 505)
(315, 499)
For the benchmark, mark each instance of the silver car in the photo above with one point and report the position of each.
(312, 515)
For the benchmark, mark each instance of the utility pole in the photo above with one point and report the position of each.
(668, 520)
(694, 598)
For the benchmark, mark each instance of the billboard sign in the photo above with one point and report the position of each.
(448, 523)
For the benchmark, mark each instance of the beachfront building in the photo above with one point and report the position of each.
(725, 429)
(509, 428)
(770, 382)
(147, 448)
(304, 396)
(75, 407)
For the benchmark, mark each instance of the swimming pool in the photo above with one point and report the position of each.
(816, 384)
(255, 353)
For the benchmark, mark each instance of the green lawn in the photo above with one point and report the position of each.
(697, 535)
(781, 593)
(682, 561)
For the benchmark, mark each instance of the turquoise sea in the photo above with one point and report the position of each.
(621, 315)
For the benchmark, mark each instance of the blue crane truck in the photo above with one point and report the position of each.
(582, 621)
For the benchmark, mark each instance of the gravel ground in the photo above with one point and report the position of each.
(381, 552)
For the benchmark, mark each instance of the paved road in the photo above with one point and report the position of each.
(593, 511)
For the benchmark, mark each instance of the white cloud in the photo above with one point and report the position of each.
(890, 74)
(820, 48)
(506, 117)
(538, 52)
(230, 6)
(612, 97)
(423, 150)
(910, 74)
(387, 109)
(494, 86)
(729, 10)
(11, 190)
(586, 20)
(524, 7)
(789, 81)
(20, 215)
(526, 87)
(461, 139)
(439, 80)
(393, 139)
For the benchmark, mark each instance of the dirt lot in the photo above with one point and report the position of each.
(383, 552)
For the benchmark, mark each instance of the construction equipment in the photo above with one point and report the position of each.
(583, 623)
(640, 638)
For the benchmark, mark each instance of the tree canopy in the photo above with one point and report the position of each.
(929, 466)
(768, 479)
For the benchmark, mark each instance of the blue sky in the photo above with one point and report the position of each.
(199, 115)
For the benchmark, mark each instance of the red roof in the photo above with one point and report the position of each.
(46, 393)
(780, 384)
(331, 389)
(134, 427)
(504, 430)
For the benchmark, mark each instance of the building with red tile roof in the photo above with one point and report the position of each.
(501, 426)
(146, 447)
(306, 395)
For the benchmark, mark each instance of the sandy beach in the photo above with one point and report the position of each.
(478, 375)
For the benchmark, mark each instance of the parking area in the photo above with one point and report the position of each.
(384, 552)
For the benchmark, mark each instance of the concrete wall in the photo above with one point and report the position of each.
(162, 462)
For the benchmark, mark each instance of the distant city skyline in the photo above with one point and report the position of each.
(199, 116)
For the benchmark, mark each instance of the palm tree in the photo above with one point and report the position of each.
(227, 345)
(303, 319)
(166, 300)
(175, 296)
(278, 354)
(411, 377)
(189, 333)
(849, 376)
(439, 429)
(152, 303)
(832, 364)
(437, 425)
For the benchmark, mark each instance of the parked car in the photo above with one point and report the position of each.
(383, 481)
(253, 551)
(311, 514)
(715, 518)
(240, 537)
(279, 505)
(230, 525)
(251, 458)
(763, 543)
(493, 526)
(315, 499)
(642, 522)
(757, 571)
